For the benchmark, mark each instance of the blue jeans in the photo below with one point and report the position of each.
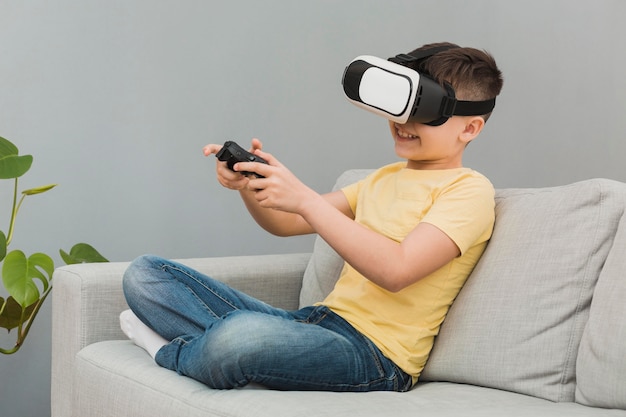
(227, 339)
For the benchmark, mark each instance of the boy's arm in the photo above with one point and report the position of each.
(277, 222)
(282, 223)
(389, 264)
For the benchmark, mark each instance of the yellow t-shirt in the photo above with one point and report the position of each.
(392, 201)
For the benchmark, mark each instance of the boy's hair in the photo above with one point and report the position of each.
(472, 73)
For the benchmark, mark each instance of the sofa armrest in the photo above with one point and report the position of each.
(87, 300)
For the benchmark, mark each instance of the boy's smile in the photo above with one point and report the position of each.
(403, 134)
(414, 143)
(433, 147)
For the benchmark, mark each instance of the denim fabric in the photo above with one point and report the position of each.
(227, 339)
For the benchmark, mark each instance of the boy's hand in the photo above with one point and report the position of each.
(280, 189)
(226, 177)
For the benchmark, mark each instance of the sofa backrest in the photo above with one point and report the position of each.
(325, 264)
(518, 322)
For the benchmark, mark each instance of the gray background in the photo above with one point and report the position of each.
(115, 100)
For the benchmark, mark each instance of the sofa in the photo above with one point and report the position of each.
(539, 329)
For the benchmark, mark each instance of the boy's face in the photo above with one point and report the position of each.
(432, 147)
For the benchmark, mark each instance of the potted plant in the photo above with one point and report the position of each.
(27, 279)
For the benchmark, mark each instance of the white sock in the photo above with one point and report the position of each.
(140, 334)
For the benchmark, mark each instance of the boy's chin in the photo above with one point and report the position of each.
(404, 150)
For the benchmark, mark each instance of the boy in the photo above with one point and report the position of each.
(410, 234)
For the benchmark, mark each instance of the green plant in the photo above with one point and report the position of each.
(27, 280)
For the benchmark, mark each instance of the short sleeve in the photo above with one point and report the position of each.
(465, 212)
(352, 193)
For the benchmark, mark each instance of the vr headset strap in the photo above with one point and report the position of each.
(473, 108)
(404, 59)
(451, 106)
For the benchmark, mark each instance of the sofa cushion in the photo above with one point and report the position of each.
(325, 264)
(517, 323)
(601, 365)
(116, 378)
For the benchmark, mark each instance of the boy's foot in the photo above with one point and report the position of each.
(140, 334)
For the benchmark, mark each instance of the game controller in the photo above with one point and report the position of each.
(232, 153)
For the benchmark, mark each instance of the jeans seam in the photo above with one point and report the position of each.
(374, 351)
(197, 281)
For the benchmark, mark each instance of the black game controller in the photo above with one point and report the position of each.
(233, 153)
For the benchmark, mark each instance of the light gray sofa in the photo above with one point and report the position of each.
(538, 330)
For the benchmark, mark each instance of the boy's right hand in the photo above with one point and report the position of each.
(226, 177)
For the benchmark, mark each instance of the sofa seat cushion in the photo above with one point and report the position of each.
(117, 378)
(517, 323)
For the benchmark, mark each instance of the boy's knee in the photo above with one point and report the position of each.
(138, 274)
(229, 353)
(242, 338)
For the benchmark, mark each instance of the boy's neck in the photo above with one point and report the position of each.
(432, 166)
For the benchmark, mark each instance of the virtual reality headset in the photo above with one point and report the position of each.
(391, 89)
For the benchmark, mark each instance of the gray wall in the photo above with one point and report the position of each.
(115, 100)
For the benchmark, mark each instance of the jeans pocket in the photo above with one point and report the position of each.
(312, 315)
(379, 372)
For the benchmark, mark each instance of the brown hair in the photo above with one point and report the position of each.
(472, 73)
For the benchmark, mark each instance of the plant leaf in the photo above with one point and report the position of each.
(82, 253)
(11, 164)
(43, 261)
(7, 148)
(18, 273)
(12, 313)
(14, 166)
(3, 245)
(39, 190)
(16, 280)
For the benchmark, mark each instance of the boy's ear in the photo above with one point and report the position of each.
(473, 127)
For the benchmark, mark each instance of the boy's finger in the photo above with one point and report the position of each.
(256, 144)
(258, 167)
(268, 157)
(211, 149)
